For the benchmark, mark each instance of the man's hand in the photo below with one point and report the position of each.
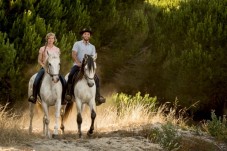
(79, 64)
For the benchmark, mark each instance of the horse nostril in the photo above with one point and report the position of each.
(55, 79)
(90, 84)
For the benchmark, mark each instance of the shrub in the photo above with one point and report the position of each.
(167, 136)
(124, 101)
(216, 127)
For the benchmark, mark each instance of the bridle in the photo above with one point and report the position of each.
(52, 75)
(48, 71)
(85, 75)
(88, 78)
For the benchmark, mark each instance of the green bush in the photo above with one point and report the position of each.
(168, 136)
(217, 127)
(124, 101)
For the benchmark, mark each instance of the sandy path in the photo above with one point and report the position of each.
(114, 141)
(110, 134)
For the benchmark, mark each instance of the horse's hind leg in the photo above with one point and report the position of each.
(31, 108)
(93, 116)
(79, 122)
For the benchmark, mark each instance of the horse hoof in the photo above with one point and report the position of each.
(30, 131)
(55, 136)
(80, 135)
(89, 134)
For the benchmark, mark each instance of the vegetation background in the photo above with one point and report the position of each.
(167, 48)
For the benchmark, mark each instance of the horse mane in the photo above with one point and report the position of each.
(86, 61)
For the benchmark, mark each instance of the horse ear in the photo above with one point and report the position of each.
(85, 56)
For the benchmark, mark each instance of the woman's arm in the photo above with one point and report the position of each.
(41, 59)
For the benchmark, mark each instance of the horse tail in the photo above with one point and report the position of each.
(68, 109)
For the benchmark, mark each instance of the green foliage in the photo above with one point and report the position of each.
(26, 23)
(128, 31)
(77, 15)
(124, 101)
(168, 137)
(216, 127)
(7, 66)
(184, 54)
(168, 48)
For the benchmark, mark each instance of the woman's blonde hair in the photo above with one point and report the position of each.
(51, 34)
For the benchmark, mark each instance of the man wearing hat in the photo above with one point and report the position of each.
(80, 48)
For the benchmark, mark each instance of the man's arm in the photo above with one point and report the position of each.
(75, 59)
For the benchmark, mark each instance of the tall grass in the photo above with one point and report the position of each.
(11, 133)
(121, 112)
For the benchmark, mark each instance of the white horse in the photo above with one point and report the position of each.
(50, 93)
(84, 93)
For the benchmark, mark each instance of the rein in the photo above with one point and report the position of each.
(51, 73)
(88, 77)
(82, 73)
(48, 71)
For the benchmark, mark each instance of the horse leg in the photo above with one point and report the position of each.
(62, 119)
(46, 120)
(93, 116)
(31, 108)
(79, 116)
(79, 122)
(57, 115)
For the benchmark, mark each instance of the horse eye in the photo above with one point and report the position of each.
(49, 64)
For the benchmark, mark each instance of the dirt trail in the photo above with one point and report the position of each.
(114, 141)
(111, 134)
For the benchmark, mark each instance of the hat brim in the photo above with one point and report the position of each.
(82, 32)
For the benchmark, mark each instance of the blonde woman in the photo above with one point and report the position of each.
(50, 47)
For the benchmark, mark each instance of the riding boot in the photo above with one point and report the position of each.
(36, 86)
(63, 82)
(33, 97)
(68, 95)
(98, 98)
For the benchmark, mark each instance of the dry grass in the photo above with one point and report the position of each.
(14, 129)
(11, 132)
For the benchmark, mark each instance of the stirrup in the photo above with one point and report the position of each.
(68, 97)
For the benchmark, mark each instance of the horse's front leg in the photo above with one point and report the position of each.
(57, 116)
(93, 116)
(79, 122)
(31, 108)
(46, 120)
(79, 116)
(62, 113)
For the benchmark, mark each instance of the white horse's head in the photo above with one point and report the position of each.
(53, 66)
(89, 67)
